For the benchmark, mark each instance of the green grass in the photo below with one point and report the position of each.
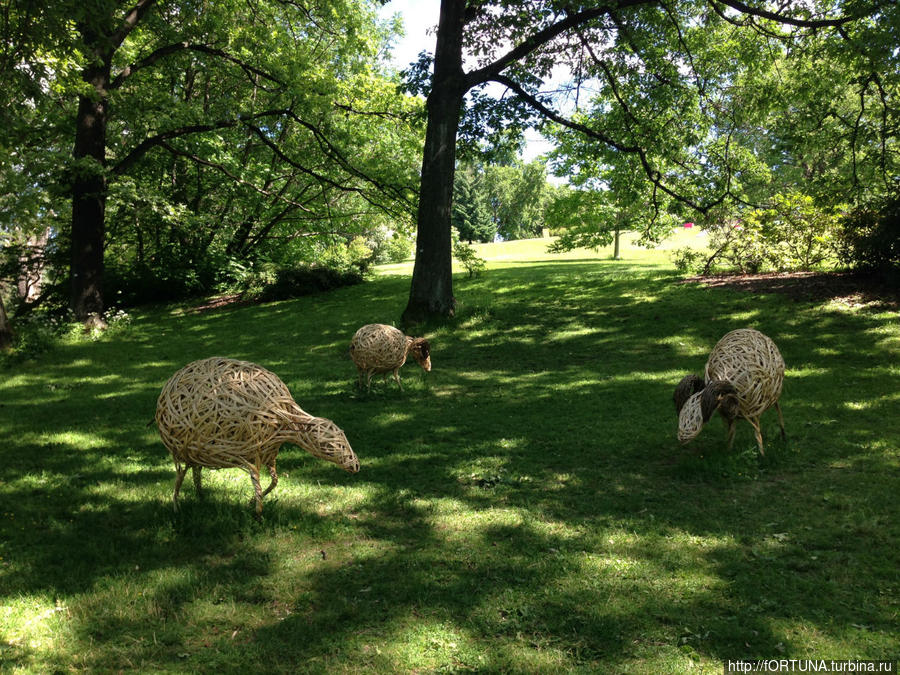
(524, 507)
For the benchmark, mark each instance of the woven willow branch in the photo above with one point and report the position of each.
(222, 413)
(751, 363)
(378, 348)
(690, 419)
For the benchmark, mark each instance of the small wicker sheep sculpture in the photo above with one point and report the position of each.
(743, 378)
(222, 413)
(377, 348)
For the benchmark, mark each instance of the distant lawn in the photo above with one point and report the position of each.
(524, 507)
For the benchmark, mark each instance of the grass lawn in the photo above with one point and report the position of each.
(524, 507)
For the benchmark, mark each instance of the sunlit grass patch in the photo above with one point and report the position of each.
(524, 507)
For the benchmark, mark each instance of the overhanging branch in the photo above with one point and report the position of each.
(177, 47)
(653, 175)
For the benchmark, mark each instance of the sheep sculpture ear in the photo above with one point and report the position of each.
(689, 385)
(719, 395)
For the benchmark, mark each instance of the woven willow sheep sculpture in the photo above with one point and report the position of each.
(377, 348)
(743, 378)
(221, 413)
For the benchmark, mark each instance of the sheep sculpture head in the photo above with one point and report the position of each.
(222, 413)
(377, 348)
(696, 409)
(421, 351)
(743, 378)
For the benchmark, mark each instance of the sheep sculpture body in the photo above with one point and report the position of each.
(222, 413)
(378, 348)
(743, 378)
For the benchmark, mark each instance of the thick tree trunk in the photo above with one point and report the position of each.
(89, 197)
(431, 291)
(6, 333)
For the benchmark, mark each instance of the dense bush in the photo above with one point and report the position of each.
(293, 282)
(389, 246)
(142, 283)
(172, 276)
(688, 260)
(791, 234)
(870, 240)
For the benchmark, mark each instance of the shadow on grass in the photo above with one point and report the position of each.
(527, 497)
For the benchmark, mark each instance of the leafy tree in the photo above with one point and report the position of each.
(505, 199)
(605, 200)
(471, 214)
(517, 197)
(643, 50)
(209, 144)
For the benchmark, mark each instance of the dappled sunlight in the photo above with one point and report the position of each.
(525, 507)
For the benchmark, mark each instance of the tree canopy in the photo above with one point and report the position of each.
(202, 132)
(682, 89)
(175, 146)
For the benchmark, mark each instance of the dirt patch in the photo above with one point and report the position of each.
(853, 290)
(219, 302)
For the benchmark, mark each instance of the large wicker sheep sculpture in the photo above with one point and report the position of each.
(743, 378)
(222, 413)
(377, 348)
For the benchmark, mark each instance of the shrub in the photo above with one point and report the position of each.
(359, 254)
(36, 333)
(794, 233)
(389, 246)
(465, 254)
(870, 240)
(688, 260)
(791, 234)
(292, 282)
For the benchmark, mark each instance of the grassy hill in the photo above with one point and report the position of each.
(524, 507)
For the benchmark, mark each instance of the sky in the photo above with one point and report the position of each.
(420, 18)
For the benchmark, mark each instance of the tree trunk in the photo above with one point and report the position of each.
(431, 291)
(6, 333)
(616, 245)
(89, 196)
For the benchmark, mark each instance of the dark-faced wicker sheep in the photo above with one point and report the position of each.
(377, 348)
(221, 413)
(743, 379)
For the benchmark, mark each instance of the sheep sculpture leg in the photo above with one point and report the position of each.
(397, 378)
(731, 428)
(780, 419)
(274, 481)
(180, 473)
(754, 421)
(195, 471)
(257, 490)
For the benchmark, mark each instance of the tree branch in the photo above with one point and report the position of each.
(237, 179)
(541, 38)
(653, 175)
(162, 52)
(781, 18)
(131, 20)
(148, 143)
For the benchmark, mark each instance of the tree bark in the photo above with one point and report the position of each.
(6, 332)
(431, 291)
(89, 182)
(89, 196)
